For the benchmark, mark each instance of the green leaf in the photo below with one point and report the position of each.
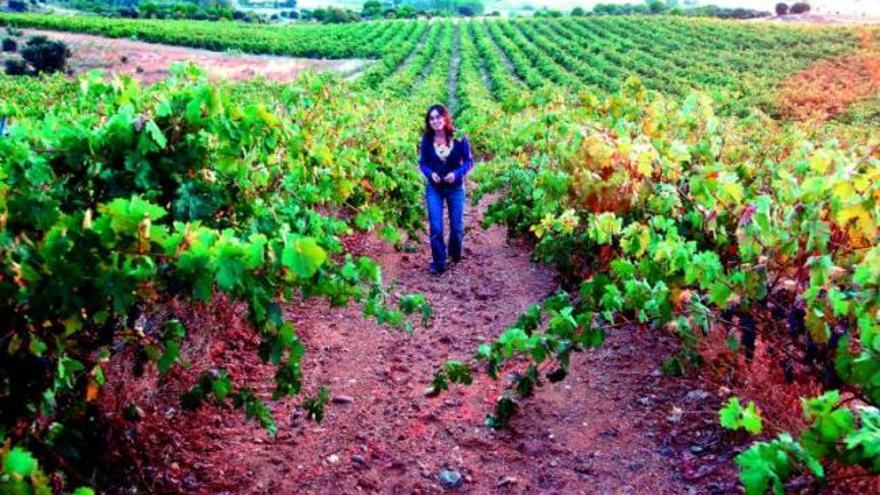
(126, 214)
(438, 384)
(169, 357)
(221, 386)
(155, 134)
(866, 440)
(751, 419)
(513, 340)
(505, 409)
(254, 408)
(765, 465)
(458, 372)
(315, 406)
(228, 264)
(729, 414)
(719, 293)
(734, 417)
(19, 462)
(303, 256)
(839, 304)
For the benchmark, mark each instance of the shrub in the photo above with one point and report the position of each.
(17, 5)
(9, 45)
(781, 8)
(799, 8)
(578, 12)
(15, 67)
(45, 55)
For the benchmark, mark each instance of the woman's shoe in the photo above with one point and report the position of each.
(435, 270)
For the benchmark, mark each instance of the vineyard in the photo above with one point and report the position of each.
(734, 62)
(197, 266)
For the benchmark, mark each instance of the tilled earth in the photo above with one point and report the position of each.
(149, 62)
(615, 425)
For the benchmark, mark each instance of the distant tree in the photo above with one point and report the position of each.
(372, 9)
(334, 15)
(799, 8)
(407, 12)
(657, 6)
(465, 7)
(578, 12)
(17, 5)
(606, 9)
(781, 8)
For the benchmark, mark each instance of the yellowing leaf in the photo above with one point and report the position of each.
(863, 227)
(821, 161)
(843, 191)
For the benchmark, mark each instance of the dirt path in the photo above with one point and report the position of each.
(414, 52)
(602, 430)
(453, 67)
(503, 55)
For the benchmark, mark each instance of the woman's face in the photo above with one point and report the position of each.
(436, 120)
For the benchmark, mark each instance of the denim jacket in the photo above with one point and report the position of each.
(459, 162)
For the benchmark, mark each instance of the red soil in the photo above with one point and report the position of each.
(615, 425)
(149, 62)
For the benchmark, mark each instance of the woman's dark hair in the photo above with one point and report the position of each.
(447, 124)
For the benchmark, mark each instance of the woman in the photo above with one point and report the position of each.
(444, 161)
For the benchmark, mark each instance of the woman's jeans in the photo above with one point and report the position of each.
(454, 198)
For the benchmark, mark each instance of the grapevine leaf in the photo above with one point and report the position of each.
(303, 256)
(19, 462)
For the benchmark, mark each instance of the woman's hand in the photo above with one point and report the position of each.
(450, 178)
(435, 177)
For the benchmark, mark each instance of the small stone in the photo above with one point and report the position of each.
(190, 483)
(333, 458)
(358, 459)
(697, 395)
(675, 415)
(342, 399)
(450, 479)
(554, 463)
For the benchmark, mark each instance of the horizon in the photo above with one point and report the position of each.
(850, 7)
